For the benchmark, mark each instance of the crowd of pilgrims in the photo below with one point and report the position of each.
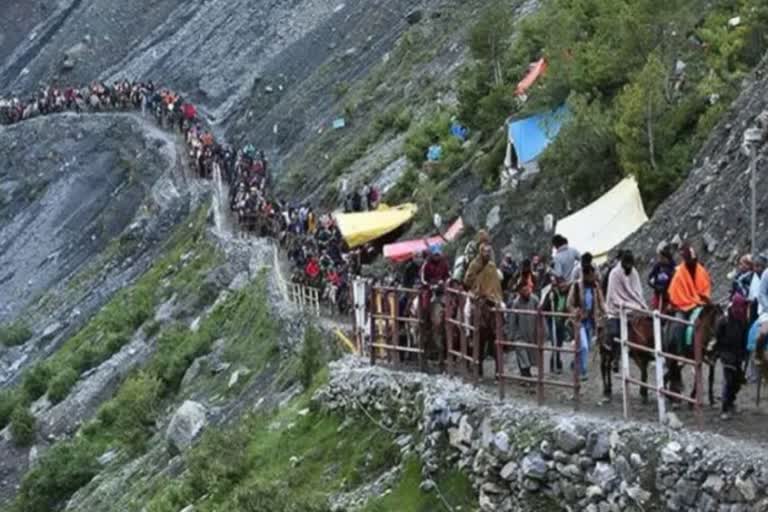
(569, 282)
(313, 242)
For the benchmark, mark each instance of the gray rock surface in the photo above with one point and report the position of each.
(515, 455)
(186, 425)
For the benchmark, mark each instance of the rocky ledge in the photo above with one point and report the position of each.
(521, 458)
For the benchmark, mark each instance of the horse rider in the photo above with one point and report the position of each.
(435, 272)
(483, 280)
(624, 290)
(660, 277)
(689, 290)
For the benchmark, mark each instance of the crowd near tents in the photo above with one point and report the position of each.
(328, 249)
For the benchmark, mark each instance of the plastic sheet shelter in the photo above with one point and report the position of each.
(535, 71)
(529, 137)
(403, 251)
(604, 224)
(361, 228)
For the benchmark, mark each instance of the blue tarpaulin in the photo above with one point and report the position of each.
(532, 135)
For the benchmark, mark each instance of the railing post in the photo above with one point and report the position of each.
(476, 352)
(374, 309)
(659, 363)
(539, 332)
(500, 351)
(392, 308)
(577, 361)
(624, 333)
(698, 351)
(396, 328)
(450, 310)
(424, 319)
(463, 334)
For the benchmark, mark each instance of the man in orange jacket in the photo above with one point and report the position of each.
(690, 288)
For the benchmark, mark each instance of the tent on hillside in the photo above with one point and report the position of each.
(535, 71)
(361, 228)
(529, 137)
(605, 223)
(403, 251)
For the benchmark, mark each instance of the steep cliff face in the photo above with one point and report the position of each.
(265, 71)
(85, 202)
(712, 208)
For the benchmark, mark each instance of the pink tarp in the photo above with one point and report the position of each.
(403, 251)
(535, 70)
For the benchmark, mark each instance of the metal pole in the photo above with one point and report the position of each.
(659, 360)
(753, 187)
(624, 334)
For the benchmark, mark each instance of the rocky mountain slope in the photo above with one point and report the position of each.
(164, 370)
(86, 202)
(712, 208)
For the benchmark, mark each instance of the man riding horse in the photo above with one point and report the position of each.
(483, 279)
(689, 292)
(435, 272)
(624, 290)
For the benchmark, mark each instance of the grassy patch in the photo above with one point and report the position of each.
(14, 334)
(408, 497)
(23, 426)
(281, 463)
(180, 270)
(128, 420)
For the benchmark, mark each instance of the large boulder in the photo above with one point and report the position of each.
(187, 423)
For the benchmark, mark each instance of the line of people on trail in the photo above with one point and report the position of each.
(592, 299)
(571, 283)
(313, 241)
(95, 97)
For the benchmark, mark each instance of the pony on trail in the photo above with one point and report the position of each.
(640, 332)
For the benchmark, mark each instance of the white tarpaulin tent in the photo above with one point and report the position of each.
(604, 224)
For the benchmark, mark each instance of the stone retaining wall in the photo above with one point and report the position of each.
(521, 458)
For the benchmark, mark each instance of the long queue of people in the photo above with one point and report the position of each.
(569, 283)
(313, 242)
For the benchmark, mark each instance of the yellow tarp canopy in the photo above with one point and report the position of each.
(360, 228)
(605, 223)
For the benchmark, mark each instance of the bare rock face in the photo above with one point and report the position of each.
(187, 423)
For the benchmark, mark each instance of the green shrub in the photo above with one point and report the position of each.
(649, 117)
(273, 496)
(311, 357)
(61, 384)
(136, 407)
(64, 469)
(114, 342)
(23, 426)
(35, 382)
(489, 165)
(152, 328)
(218, 462)
(14, 334)
(403, 120)
(8, 402)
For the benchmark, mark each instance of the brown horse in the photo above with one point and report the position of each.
(640, 332)
(704, 331)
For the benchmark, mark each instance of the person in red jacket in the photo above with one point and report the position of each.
(435, 268)
(312, 269)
